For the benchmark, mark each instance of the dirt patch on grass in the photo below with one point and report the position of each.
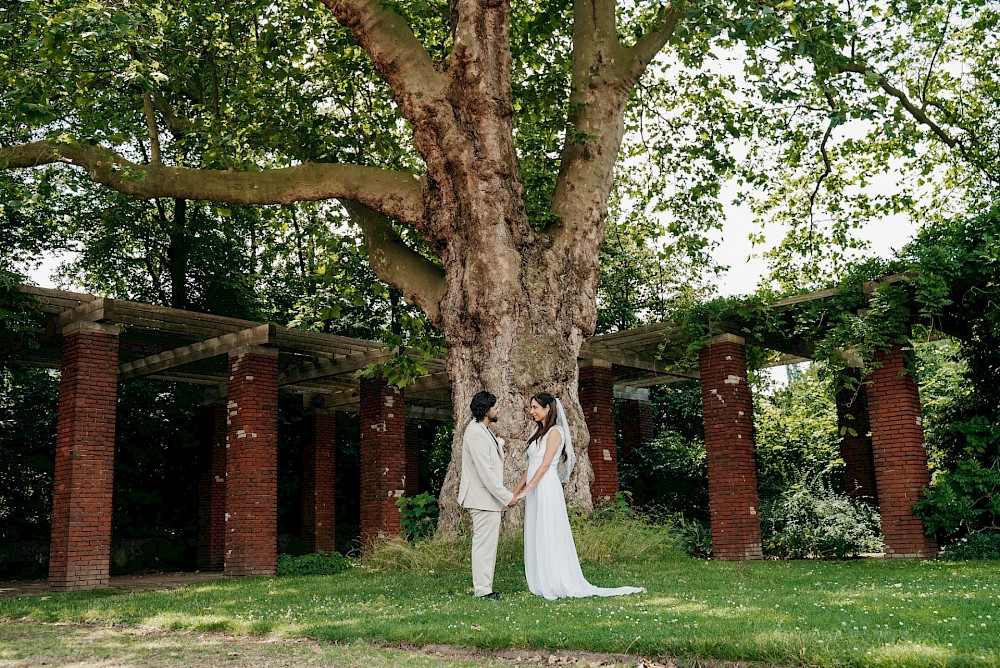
(25, 643)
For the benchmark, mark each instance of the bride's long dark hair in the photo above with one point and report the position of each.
(544, 399)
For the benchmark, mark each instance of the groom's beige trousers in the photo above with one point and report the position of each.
(485, 536)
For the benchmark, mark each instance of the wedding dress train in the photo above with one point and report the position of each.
(551, 565)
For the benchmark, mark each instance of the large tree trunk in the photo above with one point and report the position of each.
(530, 348)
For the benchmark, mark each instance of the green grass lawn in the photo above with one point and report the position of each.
(870, 612)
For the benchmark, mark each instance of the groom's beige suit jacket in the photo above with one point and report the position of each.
(481, 486)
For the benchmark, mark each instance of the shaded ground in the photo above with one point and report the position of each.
(143, 582)
(25, 644)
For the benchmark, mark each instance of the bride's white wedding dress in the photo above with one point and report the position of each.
(551, 565)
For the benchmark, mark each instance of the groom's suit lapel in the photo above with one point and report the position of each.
(495, 441)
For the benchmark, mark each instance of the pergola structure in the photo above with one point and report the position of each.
(97, 342)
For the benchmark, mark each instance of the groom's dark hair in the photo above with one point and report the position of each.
(481, 405)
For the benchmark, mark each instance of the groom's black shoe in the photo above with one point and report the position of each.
(493, 596)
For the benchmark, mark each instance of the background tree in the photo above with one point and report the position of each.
(873, 110)
(958, 265)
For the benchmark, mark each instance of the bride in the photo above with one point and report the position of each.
(551, 565)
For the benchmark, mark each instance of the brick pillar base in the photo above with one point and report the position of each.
(383, 458)
(637, 425)
(900, 458)
(727, 407)
(856, 444)
(212, 496)
(596, 391)
(318, 482)
(251, 540)
(80, 551)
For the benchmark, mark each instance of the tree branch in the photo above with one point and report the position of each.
(916, 112)
(600, 89)
(594, 34)
(645, 49)
(827, 170)
(395, 52)
(420, 280)
(178, 126)
(934, 57)
(395, 194)
(154, 133)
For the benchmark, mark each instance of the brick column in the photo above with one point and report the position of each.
(251, 540)
(412, 458)
(318, 482)
(596, 392)
(383, 458)
(856, 443)
(727, 408)
(212, 495)
(80, 550)
(636, 415)
(900, 458)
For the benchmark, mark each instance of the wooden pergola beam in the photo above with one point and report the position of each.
(261, 335)
(210, 380)
(633, 361)
(306, 372)
(429, 413)
(93, 311)
(652, 380)
(432, 381)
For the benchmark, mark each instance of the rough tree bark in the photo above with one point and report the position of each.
(514, 304)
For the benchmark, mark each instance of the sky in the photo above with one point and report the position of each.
(747, 267)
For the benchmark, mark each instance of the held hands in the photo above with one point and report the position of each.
(519, 497)
(524, 493)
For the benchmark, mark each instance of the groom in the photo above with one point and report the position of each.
(482, 490)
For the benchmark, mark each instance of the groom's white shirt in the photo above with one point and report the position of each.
(481, 486)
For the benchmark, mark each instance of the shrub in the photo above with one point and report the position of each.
(419, 516)
(982, 545)
(813, 520)
(616, 531)
(696, 537)
(668, 473)
(967, 498)
(395, 553)
(317, 563)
